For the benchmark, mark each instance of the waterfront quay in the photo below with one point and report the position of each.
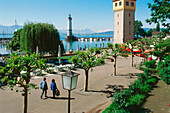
(95, 38)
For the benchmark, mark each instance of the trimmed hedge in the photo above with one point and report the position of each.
(164, 69)
(135, 94)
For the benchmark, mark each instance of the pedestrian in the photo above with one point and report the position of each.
(44, 87)
(53, 87)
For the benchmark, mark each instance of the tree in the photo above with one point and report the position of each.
(138, 25)
(14, 44)
(160, 51)
(158, 27)
(159, 12)
(149, 33)
(22, 66)
(87, 60)
(131, 45)
(43, 35)
(142, 32)
(115, 51)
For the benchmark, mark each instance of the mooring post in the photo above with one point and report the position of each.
(77, 47)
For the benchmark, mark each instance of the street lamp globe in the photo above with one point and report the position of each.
(69, 80)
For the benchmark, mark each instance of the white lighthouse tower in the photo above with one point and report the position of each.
(70, 36)
(69, 27)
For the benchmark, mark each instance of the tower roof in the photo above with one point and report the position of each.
(69, 17)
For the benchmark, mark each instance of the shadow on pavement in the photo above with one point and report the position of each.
(61, 98)
(110, 90)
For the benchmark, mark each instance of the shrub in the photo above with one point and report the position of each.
(164, 70)
(150, 64)
(136, 100)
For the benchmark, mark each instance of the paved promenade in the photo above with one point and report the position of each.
(101, 85)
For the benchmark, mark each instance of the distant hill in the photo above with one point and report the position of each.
(104, 33)
(9, 29)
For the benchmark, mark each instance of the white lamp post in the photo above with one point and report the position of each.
(69, 80)
(59, 54)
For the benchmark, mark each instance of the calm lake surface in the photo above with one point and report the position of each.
(73, 45)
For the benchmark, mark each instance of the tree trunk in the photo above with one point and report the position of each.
(86, 80)
(25, 100)
(132, 59)
(114, 67)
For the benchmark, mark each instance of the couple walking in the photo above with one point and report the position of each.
(44, 87)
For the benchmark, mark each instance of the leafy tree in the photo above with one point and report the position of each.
(131, 45)
(43, 35)
(115, 50)
(149, 33)
(22, 66)
(14, 44)
(159, 12)
(142, 32)
(87, 60)
(160, 51)
(158, 27)
(138, 25)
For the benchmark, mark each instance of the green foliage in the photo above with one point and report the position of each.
(14, 44)
(88, 59)
(167, 45)
(158, 27)
(43, 35)
(164, 70)
(136, 100)
(115, 50)
(159, 12)
(149, 33)
(150, 64)
(135, 95)
(21, 63)
(21, 66)
(138, 25)
(142, 32)
(160, 51)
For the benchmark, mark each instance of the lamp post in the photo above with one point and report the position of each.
(69, 80)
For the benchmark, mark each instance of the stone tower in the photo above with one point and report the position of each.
(124, 17)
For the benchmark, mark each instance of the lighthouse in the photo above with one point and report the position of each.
(69, 36)
(69, 27)
(124, 17)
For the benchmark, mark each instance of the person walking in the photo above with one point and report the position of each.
(44, 87)
(53, 87)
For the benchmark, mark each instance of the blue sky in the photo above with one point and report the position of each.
(96, 15)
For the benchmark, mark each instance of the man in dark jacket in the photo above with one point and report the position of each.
(44, 87)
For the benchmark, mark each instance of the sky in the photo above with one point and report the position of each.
(96, 15)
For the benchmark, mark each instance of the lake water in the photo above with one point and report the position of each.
(73, 45)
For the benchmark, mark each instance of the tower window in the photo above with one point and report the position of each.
(115, 4)
(117, 23)
(117, 15)
(129, 22)
(132, 4)
(120, 3)
(127, 3)
(129, 14)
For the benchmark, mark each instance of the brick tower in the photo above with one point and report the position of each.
(124, 16)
